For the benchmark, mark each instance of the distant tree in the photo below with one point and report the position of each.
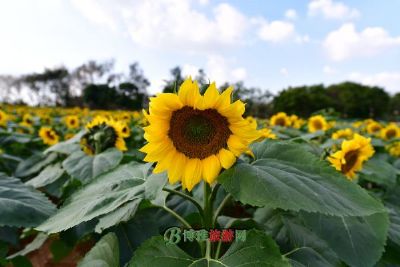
(358, 101)
(394, 106)
(100, 96)
(177, 79)
(52, 85)
(302, 100)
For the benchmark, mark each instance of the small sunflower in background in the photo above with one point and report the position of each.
(280, 119)
(3, 118)
(343, 134)
(27, 120)
(125, 130)
(391, 131)
(374, 127)
(102, 133)
(296, 122)
(317, 123)
(352, 155)
(194, 136)
(49, 136)
(267, 133)
(72, 122)
(394, 149)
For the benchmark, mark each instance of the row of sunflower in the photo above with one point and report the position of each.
(118, 180)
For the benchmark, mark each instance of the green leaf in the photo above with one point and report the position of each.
(258, 250)
(394, 227)
(34, 245)
(285, 175)
(304, 247)
(102, 197)
(85, 167)
(47, 176)
(34, 164)
(380, 172)
(67, 147)
(358, 241)
(22, 205)
(104, 254)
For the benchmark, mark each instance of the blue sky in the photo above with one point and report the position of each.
(268, 44)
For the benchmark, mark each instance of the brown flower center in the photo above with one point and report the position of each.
(50, 135)
(317, 124)
(280, 121)
(391, 133)
(351, 160)
(198, 133)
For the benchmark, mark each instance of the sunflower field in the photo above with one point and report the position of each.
(190, 181)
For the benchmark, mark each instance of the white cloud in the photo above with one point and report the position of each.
(219, 70)
(284, 72)
(390, 81)
(291, 14)
(169, 23)
(346, 42)
(331, 10)
(276, 31)
(329, 70)
(190, 70)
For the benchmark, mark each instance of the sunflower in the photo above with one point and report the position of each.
(102, 133)
(316, 123)
(267, 133)
(296, 122)
(200, 134)
(252, 121)
(343, 134)
(391, 131)
(394, 149)
(71, 121)
(374, 127)
(3, 118)
(27, 120)
(125, 130)
(281, 119)
(353, 153)
(48, 135)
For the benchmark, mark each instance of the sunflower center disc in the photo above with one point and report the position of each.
(280, 121)
(391, 133)
(318, 125)
(351, 159)
(198, 133)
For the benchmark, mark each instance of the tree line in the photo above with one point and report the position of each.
(96, 85)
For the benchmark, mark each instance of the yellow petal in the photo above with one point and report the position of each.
(210, 96)
(211, 168)
(236, 145)
(175, 171)
(227, 158)
(192, 174)
(225, 99)
(189, 93)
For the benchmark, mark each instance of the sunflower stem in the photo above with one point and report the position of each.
(177, 216)
(208, 215)
(187, 197)
(219, 209)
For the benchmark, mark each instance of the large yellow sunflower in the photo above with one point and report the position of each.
(48, 135)
(390, 132)
(71, 121)
(3, 118)
(102, 133)
(316, 123)
(281, 119)
(353, 153)
(194, 136)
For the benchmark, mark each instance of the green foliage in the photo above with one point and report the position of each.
(286, 176)
(103, 197)
(258, 250)
(348, 98)
(105, 253)
(21, 205)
